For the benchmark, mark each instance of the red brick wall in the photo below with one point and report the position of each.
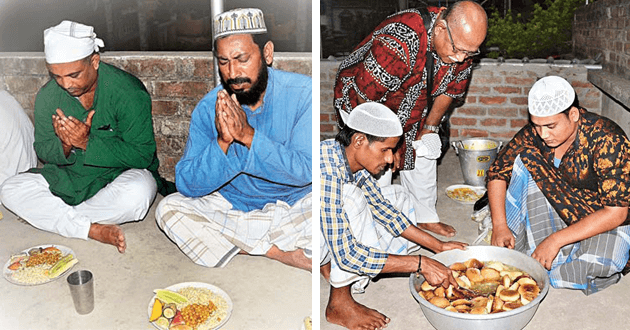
(175, 80)
(495, 105)
(603, 27)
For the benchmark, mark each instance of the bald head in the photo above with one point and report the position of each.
(468, 20)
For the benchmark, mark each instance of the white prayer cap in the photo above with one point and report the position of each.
(374, 119)
(70, 41)
(550, 96)
(239, 21)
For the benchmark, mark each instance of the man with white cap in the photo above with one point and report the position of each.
(244, 180)
(94, 134)
(367, 230)
(560, 190)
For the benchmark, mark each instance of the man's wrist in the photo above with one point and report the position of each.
(419, 270)
(432, 128)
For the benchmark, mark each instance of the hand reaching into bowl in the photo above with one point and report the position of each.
(437, 274)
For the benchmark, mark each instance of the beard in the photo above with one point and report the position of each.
(251, 96)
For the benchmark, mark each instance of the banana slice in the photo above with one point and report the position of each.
(451, 309)
(464, 282)
(490, 275)
(509, 295)
(479, 310)
(458, 266)
(474, 275)
(473, 263)
(426, 286)
(440, 292)
(440, 302)
(529, 288)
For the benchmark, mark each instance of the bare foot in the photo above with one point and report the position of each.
(108, 234)
(343, 310)
(439, 228)
(292, 258)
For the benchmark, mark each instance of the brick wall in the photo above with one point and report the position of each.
(175, 80)
(496, 103)
(603, 27)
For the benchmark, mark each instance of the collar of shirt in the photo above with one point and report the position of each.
(360, 179)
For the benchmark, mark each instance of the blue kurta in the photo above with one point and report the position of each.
(278, 165)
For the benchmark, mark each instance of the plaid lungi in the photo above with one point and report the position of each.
(211, 233)
(368, 232)
(589, 265)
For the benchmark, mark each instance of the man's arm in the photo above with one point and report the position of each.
(205, 166)
(438, 110)
(501, 234)
(593, 224)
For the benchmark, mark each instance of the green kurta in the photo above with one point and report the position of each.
(121, 136)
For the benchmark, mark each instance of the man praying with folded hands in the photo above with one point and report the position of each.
(94, 134)
(244, 180)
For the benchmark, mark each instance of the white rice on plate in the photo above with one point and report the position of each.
(32, 275)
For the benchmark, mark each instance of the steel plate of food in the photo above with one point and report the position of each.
(190, 306)
(39, 264)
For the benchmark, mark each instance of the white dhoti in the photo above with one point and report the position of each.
(368, 232)
(421, 182)
(125, 199)
(211, 233)
(16, 138)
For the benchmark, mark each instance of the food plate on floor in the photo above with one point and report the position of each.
(190, 306)
(464, 193)
(39, 264)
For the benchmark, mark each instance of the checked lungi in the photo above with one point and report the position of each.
(211, 233)
(589, 265)
(368, 232)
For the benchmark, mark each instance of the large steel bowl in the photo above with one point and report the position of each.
(511, 320)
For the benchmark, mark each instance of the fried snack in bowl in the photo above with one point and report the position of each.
(514, 314)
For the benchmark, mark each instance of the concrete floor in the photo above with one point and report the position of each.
(561, 309)
(266, 294)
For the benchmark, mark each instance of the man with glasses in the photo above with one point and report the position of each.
(560, 191)
(390, 67)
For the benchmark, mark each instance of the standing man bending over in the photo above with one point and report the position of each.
(560, 190)
(245, 176)
(367, 230)
(390, 67)
(94, 133)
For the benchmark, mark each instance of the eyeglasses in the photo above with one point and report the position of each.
(457, 51)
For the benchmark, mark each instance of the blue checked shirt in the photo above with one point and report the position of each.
(350, 254)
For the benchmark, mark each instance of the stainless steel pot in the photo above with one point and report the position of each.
(511, 320)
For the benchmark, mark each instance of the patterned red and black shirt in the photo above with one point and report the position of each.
(388, 67)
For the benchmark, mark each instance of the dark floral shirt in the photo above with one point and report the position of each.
(594, 172)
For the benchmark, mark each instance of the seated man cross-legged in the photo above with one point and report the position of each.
(245, 177)
(367, 230)
(94, 134)
(560, 190)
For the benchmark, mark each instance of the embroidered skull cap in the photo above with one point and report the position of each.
(239, 21)
(374, 119)
(550, 96)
